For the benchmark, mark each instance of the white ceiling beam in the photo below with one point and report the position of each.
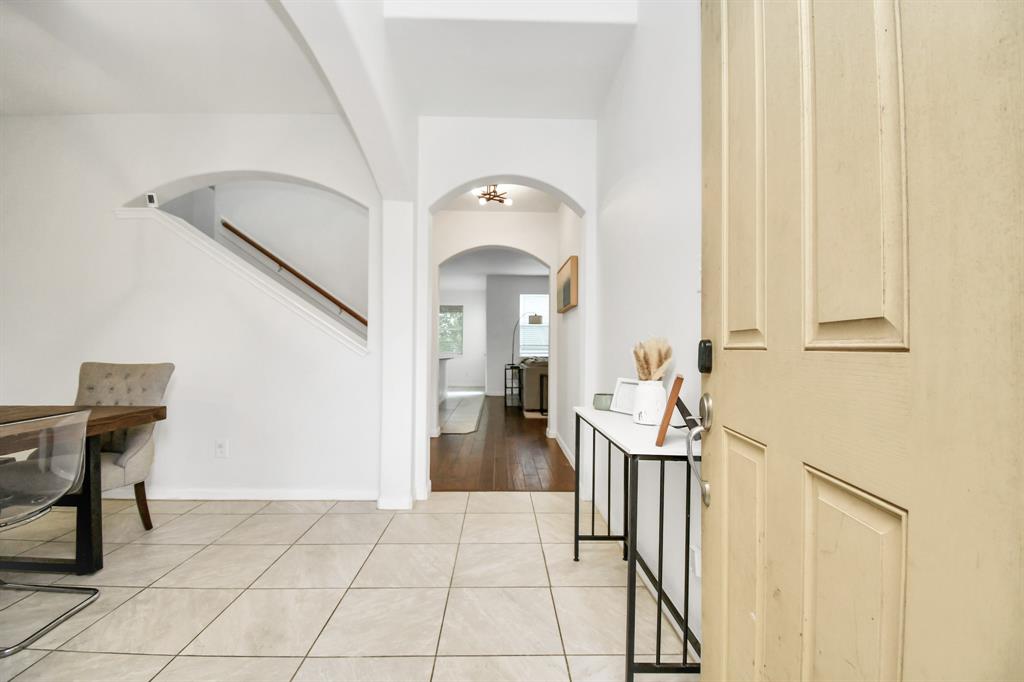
(348, 41)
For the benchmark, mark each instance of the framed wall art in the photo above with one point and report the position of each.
(568, 284)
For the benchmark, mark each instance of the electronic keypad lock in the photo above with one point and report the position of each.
(704, 356)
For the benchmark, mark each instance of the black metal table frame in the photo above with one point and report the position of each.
(630, 484)
(516, 388)
(88, 524)
(593, 536)
(513, 384)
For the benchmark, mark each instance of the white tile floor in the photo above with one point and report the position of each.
(467, 586)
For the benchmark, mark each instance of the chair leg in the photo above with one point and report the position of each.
(91, 592)
(140, 502)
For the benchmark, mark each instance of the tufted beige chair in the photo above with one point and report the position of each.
(125, 456)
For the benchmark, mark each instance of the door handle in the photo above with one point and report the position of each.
(705, 487)
(705, 411)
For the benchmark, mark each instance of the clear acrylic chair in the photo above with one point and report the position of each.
(40, 461)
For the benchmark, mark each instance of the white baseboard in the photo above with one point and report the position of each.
(394, 503)
(170, 493)
(565, 450)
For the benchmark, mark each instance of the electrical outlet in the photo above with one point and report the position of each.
(220, 449)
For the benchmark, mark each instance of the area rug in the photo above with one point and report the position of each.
(460, 412)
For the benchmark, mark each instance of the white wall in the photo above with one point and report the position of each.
(455, 153)
(300, 409)
(569, 342)
(649, 179)
(502, 312)
(469, 369)
(322, 235)
(457, 231)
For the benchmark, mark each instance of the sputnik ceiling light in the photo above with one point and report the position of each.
(491, 193)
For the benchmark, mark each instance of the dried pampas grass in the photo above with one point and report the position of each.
(653, 358)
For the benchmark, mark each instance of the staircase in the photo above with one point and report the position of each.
(259, 255)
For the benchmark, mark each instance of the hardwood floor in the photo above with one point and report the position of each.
(507, 452)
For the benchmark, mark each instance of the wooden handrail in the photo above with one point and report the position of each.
(298, 275)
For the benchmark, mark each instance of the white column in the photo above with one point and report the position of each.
(588, 297)
(398, 294)
(426, 357)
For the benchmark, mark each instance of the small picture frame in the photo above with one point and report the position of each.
(670, 408)
(568, 293)
(624, 396)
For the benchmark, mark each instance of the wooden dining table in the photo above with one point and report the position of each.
(87, 501)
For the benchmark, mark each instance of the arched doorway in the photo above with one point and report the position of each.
(544, 227)
(486, 296)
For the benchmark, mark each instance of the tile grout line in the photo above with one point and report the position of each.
(244, 589)
(141, 589)
(344, 592)
(448, 593)
(165, 574)
(34, 663)
(551, 591)
(295, 543)
(119, 606)
(288, 547)
(138, 542)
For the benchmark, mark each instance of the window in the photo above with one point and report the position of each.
(449, 330)
(533, 338)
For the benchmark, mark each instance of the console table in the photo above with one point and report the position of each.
(636, 443)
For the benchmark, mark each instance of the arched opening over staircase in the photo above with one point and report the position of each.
(180, 186)
(309, 238)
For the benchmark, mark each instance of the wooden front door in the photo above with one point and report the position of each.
(863, 250)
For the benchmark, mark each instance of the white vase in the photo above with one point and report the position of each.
(649, 402)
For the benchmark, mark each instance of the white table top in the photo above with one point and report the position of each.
(636, 439)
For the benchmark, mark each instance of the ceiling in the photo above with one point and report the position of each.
(506, 68)
(154, 56)
(468, 271)
(524, 199)
(211, 56)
